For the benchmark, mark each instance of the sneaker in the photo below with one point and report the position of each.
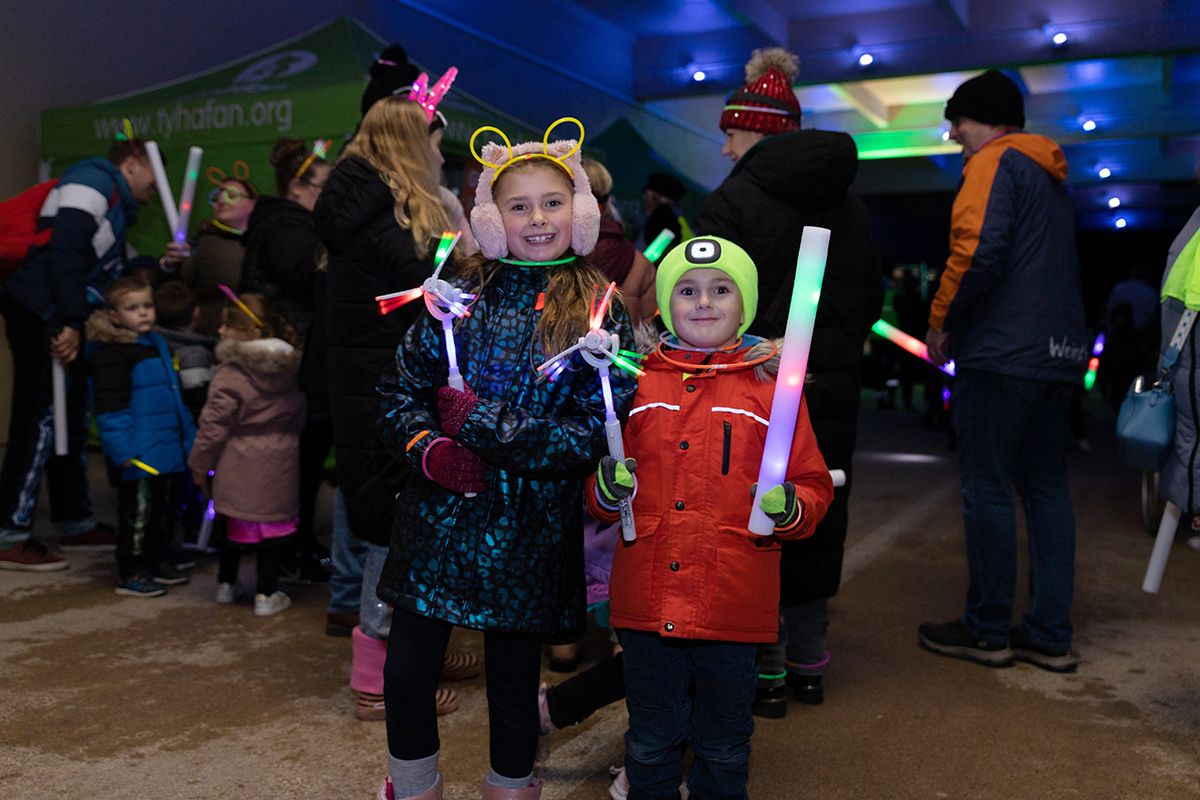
(954, 640)
(1024, 649)
(31, 556)
(98, 537)
(168, 575)
(226, 593)
(266, 605)
(619, 788)
(806, 689)
(770, 699)
(141, 585)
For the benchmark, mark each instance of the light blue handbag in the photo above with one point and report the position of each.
(1146, 420)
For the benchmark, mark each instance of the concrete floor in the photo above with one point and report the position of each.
(177, 698)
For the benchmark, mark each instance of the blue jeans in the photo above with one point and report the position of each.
(1012, 433)
(687, 692)
(800, 648)
(346, 555)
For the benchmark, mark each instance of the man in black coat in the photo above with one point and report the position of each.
(783, 179)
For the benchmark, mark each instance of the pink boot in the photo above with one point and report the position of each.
(366, 675)
(432, 793)
(531, 792)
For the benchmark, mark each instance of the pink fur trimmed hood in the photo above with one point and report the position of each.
(485, 216)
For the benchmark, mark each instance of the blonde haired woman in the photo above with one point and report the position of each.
(379, 216)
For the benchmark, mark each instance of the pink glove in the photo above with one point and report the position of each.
(454, 467)
(453, 408)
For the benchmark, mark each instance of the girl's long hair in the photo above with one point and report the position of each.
(274, 324)
(573, 287)
(394, 139)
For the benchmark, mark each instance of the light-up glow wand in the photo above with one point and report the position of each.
(445, 303)
(164, 186)
(909, 343)
(188, 194)
(659, 245)
(1089, 379)
(600, 349)
(793, 363)
(58, 386)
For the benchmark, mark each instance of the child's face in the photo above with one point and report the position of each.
(134, 311)
(706, 308)
(535, 205)
(229, 333)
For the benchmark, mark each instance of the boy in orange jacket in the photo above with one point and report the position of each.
(696, 592)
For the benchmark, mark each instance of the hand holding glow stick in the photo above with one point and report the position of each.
(144, 467)
(793, 363)
(910, 343)
(58, 380)
(164, 186)
(188, 194)
(600, 349)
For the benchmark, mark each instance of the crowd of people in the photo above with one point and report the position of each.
(229, 368)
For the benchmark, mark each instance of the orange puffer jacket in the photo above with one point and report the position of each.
(695, 571)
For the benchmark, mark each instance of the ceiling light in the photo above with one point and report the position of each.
(1119, 222)
(699, 75)
(945, 136)
(1114, 202)
(1059, 39)
(866, 60)
(1088, 125)
(1104, 172)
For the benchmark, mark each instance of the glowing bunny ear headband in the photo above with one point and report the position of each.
(486, 221)
(427, 98)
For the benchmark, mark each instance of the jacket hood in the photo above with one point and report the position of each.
(353, 198)
(806, 167)
(261, 356)
(1043, 151)
(753, 348)
(101, 329)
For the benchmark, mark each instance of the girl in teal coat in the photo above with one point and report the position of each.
(492, 537)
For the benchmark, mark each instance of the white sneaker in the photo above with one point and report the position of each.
(619, 788)
(226, 593)
(266, 605)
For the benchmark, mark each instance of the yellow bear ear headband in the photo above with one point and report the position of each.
(559, 160)
(241, 172)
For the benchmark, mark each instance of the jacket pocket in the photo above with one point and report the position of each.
(632, 590)
(744, 592)
(725, 447)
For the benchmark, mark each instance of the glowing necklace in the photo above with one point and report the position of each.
(554, 263)
(663, 344)
(221, 226)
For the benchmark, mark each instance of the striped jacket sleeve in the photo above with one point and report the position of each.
(81, 219)
(979, 239)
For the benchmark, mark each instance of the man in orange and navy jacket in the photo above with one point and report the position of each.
(1009, 311)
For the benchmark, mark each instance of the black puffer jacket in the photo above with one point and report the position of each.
(776, 188)
(281, 258)
(369, 255)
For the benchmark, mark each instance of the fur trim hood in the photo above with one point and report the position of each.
(645, 337)
(102, 330)
(263, 356)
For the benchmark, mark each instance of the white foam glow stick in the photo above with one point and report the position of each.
(188, 194)
(58, 380)
(793, 363)
(164, 186)
(1162, 549)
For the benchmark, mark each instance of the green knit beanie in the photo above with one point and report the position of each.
(708, 252)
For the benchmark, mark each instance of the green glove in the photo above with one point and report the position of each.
(615, 481)
(782, 505)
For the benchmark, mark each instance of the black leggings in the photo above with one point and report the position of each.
(266, 563)
(416, 651)
(577, 698)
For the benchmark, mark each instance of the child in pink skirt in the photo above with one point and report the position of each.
(249, 441)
